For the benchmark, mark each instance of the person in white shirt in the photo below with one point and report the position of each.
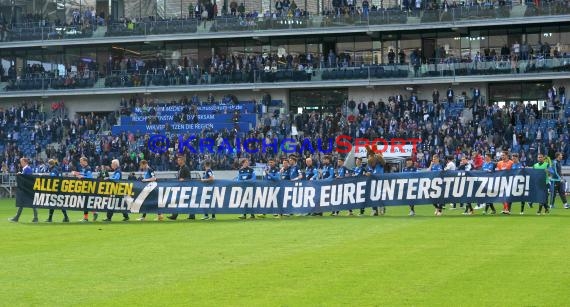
(450, 166)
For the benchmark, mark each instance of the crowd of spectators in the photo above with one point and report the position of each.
(477, 128)
(129, 71)
(36, 130)
(83, 23)
(35, 77)
(39, 27)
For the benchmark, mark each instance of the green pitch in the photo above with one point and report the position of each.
(392, 260)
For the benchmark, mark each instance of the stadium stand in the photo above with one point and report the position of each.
(445, 129)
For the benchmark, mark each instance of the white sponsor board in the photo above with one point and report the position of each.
(388, 151)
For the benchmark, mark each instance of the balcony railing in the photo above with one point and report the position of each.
(254, 23)
(193, 77)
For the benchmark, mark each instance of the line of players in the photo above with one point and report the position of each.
(553, 171)
(291, 171)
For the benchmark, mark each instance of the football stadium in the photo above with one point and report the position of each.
(284, 152)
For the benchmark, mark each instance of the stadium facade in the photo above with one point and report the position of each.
(89, 54)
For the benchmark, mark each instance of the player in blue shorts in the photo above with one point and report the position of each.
(410, 168)
(55, 172)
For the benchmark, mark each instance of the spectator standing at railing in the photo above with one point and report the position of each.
(233, 8)
(450, 95)
(365, 8)
(391, 56)
(197, 10)
(241, 9)
(476, 97)
(279, 7)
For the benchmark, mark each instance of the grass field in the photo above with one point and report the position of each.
(392, 260)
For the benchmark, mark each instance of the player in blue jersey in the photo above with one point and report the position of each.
(26, 170)
(148, 176)
(84, 172)
(271, 173)
(341, 172)
(311, 173)
(436, 166)
(410, 168)
(358, 171)
(285, 171)
(54, 171)
(294, 173)
(327, 173)
(466, 166)
(284, 174)
(246, 173)
(489, 167)
(375, 165)
(117, 175)
(208, 176)
(518, 165)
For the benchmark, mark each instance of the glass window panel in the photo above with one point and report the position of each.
(345, 52)
(189, 52)
(387, 46)
(408, 43)
(363, 53)
(564, 45)
(451, 45)
(550, 35)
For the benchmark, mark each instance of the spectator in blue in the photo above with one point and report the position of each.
(365, 8)
(26, 170)
(55, 172)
